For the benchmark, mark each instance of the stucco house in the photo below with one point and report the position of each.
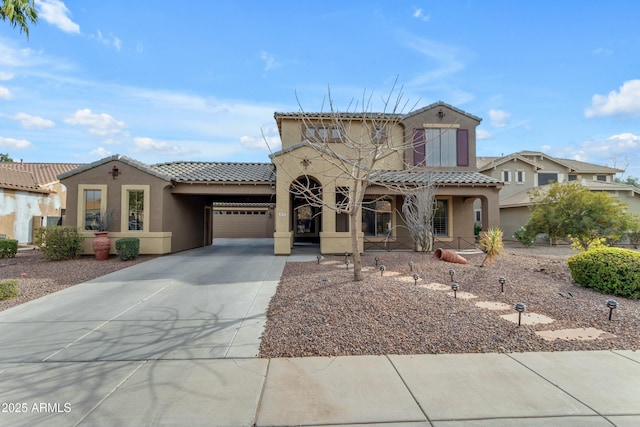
(525, 170)
(31, 196)
(182, 205)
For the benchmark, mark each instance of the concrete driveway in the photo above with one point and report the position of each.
(204, 303)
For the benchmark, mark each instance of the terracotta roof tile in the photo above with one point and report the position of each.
(43, 173)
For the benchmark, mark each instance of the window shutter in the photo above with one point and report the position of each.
(418, 147)
(462, 147)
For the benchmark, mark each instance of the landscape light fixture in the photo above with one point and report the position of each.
(455, 287)
(416, 276)
(452, 273)
(612, 304)
(377, 260)
(346, 257)
(502, 281)
(346, 262)
(411, 264)
(382, 269)
(520, 308)
(319, 257)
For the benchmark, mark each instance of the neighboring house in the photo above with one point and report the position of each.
(182, 205)
(525, 170)
(31, 196)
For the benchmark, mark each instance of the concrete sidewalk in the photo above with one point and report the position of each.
(598, 388)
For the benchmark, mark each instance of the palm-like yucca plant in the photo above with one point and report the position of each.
(491, 244)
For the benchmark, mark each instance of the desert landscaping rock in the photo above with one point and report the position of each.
(387, 315)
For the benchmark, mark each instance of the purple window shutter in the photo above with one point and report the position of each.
(462, 147)
(418, 147)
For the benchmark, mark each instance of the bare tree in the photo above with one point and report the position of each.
(419, 208)
(357, 148)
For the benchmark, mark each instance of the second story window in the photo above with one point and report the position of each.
(506, 176)
(602, 178)
(322, 133)
(441, 147)
(520, 177)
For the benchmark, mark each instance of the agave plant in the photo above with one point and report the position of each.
(491, 244)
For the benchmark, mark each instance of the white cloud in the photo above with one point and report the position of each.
(13, 143)
(98, 124)
(498, 118)
(150, 144)
(446, 58)
(269, 140)
(109, 40)
(483, 134)
(5, 93)
(55, 12)
(269, 61)
(28, 121)
(626, 101)
(100, 152)
(5, 76)
(419, 14)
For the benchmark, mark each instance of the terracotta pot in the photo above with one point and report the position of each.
(101, 245)
(449, 256)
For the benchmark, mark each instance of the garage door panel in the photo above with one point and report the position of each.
(242, 224)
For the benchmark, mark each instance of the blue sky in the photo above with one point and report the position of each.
(159, 81)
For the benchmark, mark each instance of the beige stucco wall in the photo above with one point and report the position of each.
(154, 239)
(451, 118)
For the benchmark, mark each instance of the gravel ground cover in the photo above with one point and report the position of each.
(42, 277)
(319, 311)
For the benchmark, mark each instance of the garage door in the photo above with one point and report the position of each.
(244, 223)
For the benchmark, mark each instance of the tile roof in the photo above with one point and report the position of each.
(43, 173)
(435, 177)
(217, 171)
(19, 180)
(484, 163)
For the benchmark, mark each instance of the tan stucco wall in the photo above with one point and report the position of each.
(154, 239)
(451, 118)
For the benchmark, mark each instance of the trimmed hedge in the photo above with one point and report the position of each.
(8, 248)
(58, 243)
(608, 270)
(128, 248)
(8, 289)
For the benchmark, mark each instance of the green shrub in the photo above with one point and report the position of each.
(8, 248)
(608, 270)
(8, 289)
(128, 248)
(524, 237)
(59, 242)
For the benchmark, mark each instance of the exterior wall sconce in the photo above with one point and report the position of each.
(440, 114)
(114, 172)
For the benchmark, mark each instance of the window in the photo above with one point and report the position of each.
(135, 208)
(506, 176)
(520, 177)
(322, 133)
(379, 134)
(573, 177)
(92, 207)
(478, 215)
(602, 178)
(376, 217)
(547, 178)
(441, 219)
(342, 201)
(441, 147)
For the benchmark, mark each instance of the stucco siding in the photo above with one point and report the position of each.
(17, 209)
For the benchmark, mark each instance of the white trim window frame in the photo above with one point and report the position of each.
(520, 177)
(506, 176)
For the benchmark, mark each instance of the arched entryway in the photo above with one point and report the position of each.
(306, 206)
